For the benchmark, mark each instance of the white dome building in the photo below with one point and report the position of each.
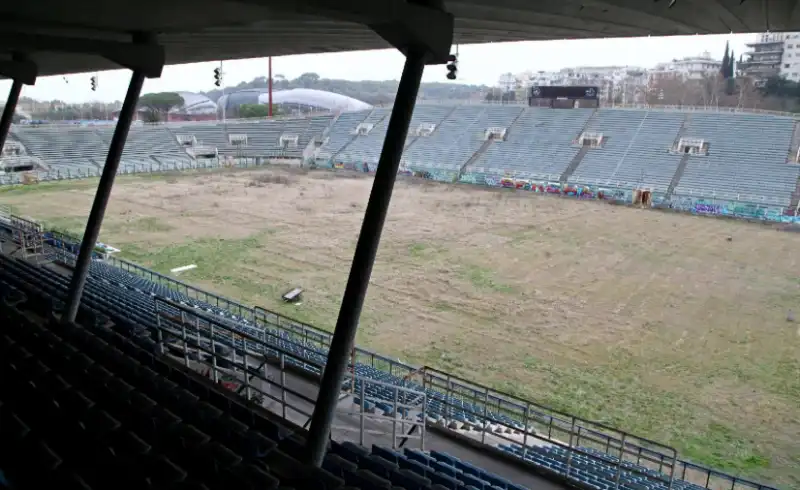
(195, 104)
(299, 99)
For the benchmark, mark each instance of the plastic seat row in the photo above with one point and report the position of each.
(412, 469)
(455, 407)
(72, 420)
(135, 307)
(108, 412)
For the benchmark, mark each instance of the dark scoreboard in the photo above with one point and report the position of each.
(563, 96)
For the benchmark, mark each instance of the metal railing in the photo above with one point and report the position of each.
(403, 409)
(247, 360)
(538, 424)
(695, 108)
(545, 424)
(743, 198)
(132, 168)
(197, 336)
(654, 107)
(529, 418)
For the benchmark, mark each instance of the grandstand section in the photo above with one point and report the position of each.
(741, 169)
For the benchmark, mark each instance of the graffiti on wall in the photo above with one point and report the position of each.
(354, 166)
(577, 191)
(735, 209)
(694, 205)
(448, 176)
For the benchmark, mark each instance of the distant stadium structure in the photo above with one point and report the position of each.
(301, 100)
(694, 159)
(195, 104)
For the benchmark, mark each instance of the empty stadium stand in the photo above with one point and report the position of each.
(121, 309)
(84, 406)
(745, 161)
(539, 145)
(366, 146)
(746, 158)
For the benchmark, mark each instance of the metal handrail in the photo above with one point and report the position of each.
(572, 429)
(525, 410)
(400, 369)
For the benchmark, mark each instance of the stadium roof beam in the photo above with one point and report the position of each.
(147, 58)
(20, 69)
(205, 30)
(142, 67)
(401, 23)
(22, 72)
(412, 42)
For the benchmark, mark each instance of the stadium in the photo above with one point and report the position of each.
(520, 331)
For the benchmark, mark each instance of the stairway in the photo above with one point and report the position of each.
(630, 145)
(475, 156)
(795, 201)
(355, 136)
(795, 145)
(586, 124)
(445, 118)
(413, 140)
(677, 177)
(576, 160)
(510, 126)
(682, 131)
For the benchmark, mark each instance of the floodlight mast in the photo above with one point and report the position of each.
(425, 36)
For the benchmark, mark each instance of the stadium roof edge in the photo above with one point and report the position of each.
(62, 37)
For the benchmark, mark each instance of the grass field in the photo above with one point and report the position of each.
(672, 327)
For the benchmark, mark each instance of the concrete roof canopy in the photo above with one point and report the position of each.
(61, 37)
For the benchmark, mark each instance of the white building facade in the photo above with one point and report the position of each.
(773, 54)
(613, 82)
(689, 68)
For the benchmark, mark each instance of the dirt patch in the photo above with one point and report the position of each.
(654, 322)
(263, 180)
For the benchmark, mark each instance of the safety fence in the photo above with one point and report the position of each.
(133, 168)
(255, 366)
(522, 422)
(649, 107)
(534, 421)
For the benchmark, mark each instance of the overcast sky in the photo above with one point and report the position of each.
(479, 64)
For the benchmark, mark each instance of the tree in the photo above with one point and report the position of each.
(710, 88)
(509, 96)
(252, 111)
(730, 80)
(279, 82)
(308, 80)
(670, 90)
(748, 93)
(726, 61)
(157, 105)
